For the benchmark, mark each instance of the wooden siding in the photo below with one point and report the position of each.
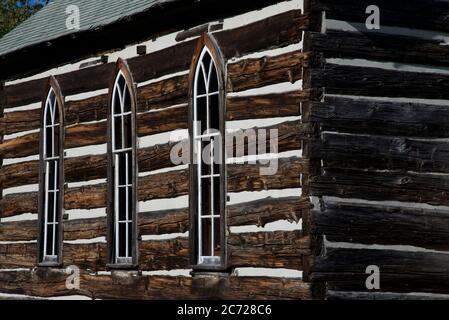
(379, 149)
(162, 108)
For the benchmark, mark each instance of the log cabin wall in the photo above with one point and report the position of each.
(381, 141)
(268, 236)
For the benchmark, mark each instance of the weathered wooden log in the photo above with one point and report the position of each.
(265, 106)
(261, 212)
(156, 64)
(400, 271)
(383, 225)
(353, 295)
(192, 32)
(258, 213)
(382, 185)
(418, 14)
(164, 120)
(24, 93)
(162, 94)
(272, 250)
(278, 31)
(364, 81)
(51, 282)
(381, 117)
(379, 47)
(383, 153)
(258, 72)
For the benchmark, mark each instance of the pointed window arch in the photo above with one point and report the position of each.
(51, 177)
(122, 170)
(208, 177)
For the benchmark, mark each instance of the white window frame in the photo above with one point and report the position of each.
(116, 152)
(198, 138)
(51, 105)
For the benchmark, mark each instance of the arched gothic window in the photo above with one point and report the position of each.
(51, 177)
(122, 173)
(208, 169)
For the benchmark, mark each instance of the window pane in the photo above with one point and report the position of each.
(48, 142)
(50, 206)
(117, 133)
(201, 108)
(130, 236)
(117, 103)
(56, 142)
(130, 203)
(205, 197)
(122, 240)
(49, 247)
(217, 196)
(213, 82)
(206, 234)
(56, 240)
(122, 204)
(201, 82)
(217, 237)
(206, 62)
(214, 112)
(127, 143)
(56, 112)
(56, 201)
(206, 158)
(127, 106)
(52, 175)
(122, 169)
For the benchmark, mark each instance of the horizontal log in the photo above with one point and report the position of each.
(382, 185)
(380, 47)
(24, 93)
(168, 185)
(156, 64)
(192, 32)
(76, 136)
(354, 295)
(367, 81)
(384, 225)
(71, 83)
(383, 153)
(51, 282)
(86, 110)
(164, 120)
(259, 212)
(265, 106)
(400, 271)
(418, 14)
(259, 72)
(271, 250)
(278, 31)
(381, 117)
(163, 94)
(262, 212)
(268, 250)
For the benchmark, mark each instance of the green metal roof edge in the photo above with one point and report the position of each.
(49, 23)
